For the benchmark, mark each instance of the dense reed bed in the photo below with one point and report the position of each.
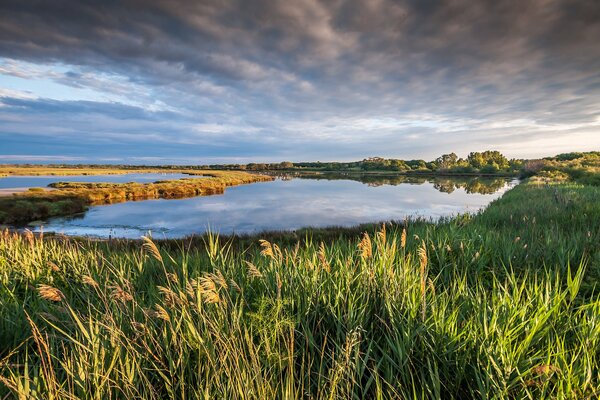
(503, 304)
(75, 197)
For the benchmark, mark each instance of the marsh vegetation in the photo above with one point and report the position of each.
(500, 304)
(503, 304)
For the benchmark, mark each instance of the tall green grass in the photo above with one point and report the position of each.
(500, 305)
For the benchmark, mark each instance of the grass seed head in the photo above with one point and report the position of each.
(50, 293)
(209, 290)
(323, 258)
(403, 238)
(161, 313)
(119, 294)
(253, 271)
(149, 247)
(88, 280)
(267, 249)
(422, 252)
(382, 234)
(29, 237)
(365, 247)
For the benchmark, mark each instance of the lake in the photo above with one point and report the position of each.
(287, 204)
(20, 182)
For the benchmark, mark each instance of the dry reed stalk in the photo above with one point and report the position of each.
(172, 278)
(172, 300)
(190, 288)
(29, 237)
(220, 279)
(382, 235)
(161, 313)
(50, 293)
(119, 294)
(267, 249)
(365, 247)
(403, 238)
(545, 369)
(209, 290)
(149, 247)
(53, 266)
(235, 285)
(323, 259)
(422, 252)
(88, 280)
(253, 270)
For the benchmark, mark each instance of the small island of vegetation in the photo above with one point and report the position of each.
(72, 197)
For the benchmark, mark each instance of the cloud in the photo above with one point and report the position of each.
(303, 79)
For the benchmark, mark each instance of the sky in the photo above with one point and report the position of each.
(237, 81)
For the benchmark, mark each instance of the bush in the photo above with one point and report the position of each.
(463, 170)
(489, 169)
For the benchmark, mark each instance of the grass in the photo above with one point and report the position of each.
(72, 197)
(503, 304)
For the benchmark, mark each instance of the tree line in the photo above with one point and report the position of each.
(486, 162)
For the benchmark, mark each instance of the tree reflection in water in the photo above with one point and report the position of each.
(445, 184)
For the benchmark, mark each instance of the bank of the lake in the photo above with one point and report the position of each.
(285, 204)
(75, 197)
(502, 304)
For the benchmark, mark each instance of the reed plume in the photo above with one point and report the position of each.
(149, 247)
(403, 238)
(365, 247)
(253, 270)
(50, 293)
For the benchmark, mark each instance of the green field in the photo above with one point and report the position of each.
(503, 304)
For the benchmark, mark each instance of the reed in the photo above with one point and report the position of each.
(503, 304)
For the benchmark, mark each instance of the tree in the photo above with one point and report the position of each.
(490, 158)
(446, 161)
(286, 165)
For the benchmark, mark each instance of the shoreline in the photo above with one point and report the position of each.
(71, 197)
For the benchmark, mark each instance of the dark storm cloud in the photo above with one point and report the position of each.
(294, 70)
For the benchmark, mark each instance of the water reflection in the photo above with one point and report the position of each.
(482, 185)
(284, 204)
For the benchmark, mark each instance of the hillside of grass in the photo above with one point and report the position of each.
(503, 304)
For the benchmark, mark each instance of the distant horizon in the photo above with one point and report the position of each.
(53, 161)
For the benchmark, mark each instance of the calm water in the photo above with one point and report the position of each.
(283, 205)
(10, 182)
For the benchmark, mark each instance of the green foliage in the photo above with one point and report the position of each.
(503, 304)
(488, 158)
(579, 167)
(568, 156)
(446, 161)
